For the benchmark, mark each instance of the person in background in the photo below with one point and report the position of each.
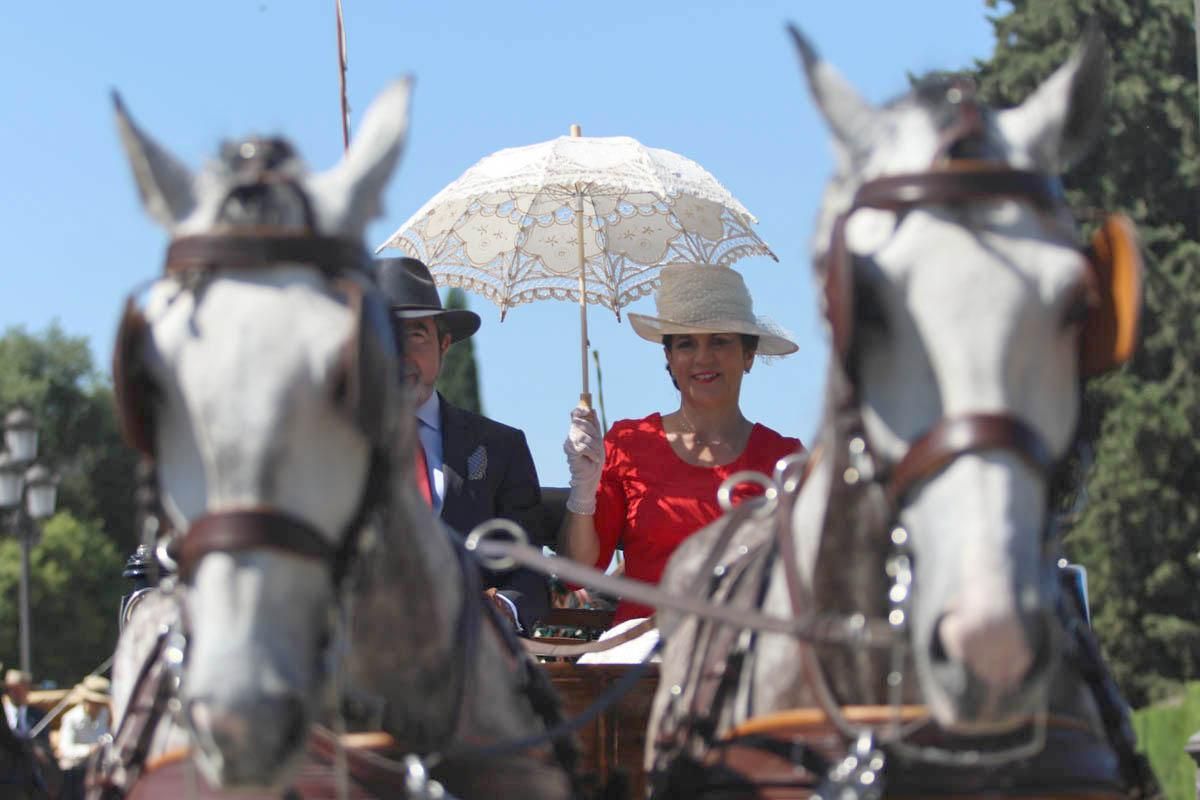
(20, 715)
(81, 730)
(475, 468)
(652, 482)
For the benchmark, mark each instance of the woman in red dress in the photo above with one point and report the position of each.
(652, 482)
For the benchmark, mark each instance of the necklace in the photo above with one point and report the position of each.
(703, 440)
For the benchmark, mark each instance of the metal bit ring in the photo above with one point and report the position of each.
(769, 499)
(504, 529)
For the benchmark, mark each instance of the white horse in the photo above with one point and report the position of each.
(262, 379)
(963, 316)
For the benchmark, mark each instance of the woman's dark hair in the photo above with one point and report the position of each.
(749, 345)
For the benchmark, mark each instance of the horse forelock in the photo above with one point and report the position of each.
(254, 182)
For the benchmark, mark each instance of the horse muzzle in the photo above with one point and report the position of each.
(251, 745)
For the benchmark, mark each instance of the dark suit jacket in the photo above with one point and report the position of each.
(489, 473)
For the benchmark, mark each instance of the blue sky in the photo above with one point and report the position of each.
(714, 81)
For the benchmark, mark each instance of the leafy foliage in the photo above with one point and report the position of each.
(52, 375)
(1137, 501)
(76, 569)
(1162, 731)
(75, 591)
(459, 380)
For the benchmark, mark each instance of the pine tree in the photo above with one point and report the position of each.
(459, 381)
(1137, 501)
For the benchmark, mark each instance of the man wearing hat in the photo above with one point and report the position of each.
(81, 731)
(475, 468)
(85, 723)
(20, 715)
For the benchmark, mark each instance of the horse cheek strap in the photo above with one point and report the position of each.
(839, 290)
(133, 389)
(370, 365)
(1111, 333)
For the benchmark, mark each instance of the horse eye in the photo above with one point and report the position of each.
(869, 310)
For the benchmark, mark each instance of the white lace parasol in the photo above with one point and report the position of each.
(509, 227)
(507, 230)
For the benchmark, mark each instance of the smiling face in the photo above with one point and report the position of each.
(708, 367)
(424, 349)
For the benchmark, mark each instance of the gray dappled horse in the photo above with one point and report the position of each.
(260, 377)
(963, 316)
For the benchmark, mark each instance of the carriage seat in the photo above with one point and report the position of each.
(544, 520)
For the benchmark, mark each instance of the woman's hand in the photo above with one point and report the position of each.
(585, 458)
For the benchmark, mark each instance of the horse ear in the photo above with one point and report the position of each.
(163, 182)
(1057, 124)
(350, 193)
(849, 115)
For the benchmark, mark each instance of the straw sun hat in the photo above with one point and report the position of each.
(708, 298)
(94, 688)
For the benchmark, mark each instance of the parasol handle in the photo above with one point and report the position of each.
(585, 397)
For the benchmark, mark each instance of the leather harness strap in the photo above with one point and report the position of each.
(956, 436)
(958, 182)
(250, 529)
(114, 768)
(265, 249)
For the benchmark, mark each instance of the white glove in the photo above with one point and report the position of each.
(585, 458)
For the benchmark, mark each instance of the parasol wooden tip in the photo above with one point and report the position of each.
(576, 130)
(585, 400)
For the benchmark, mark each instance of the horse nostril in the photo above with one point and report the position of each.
(937, 648)
(276, 728)
(294, 728)
(1043, 642)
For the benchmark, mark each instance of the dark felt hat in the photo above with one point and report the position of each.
(413, 294)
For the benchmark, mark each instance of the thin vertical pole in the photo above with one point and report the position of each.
(1196, 27)
(341, 37)
(23, 598)
(585, 397)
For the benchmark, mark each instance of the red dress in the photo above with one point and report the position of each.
(650, 499)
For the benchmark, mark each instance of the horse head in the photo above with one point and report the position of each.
(261, 378)
(963, 315)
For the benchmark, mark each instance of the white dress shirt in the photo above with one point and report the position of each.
(79, 734)
(17, 716)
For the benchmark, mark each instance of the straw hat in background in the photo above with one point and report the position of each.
(94, 688)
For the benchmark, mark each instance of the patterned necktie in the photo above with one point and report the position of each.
(423, 474)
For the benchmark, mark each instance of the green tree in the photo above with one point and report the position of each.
(75, 592)
(1136, 501)
(459, 380)
(53, 376)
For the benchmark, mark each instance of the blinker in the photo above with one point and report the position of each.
(1110, 334)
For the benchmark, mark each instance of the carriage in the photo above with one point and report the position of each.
(830, 639)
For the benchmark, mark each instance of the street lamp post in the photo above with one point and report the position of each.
(22, 480)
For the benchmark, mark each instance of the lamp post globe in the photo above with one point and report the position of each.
(12, 481)
(20, 435)
(41, 492)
